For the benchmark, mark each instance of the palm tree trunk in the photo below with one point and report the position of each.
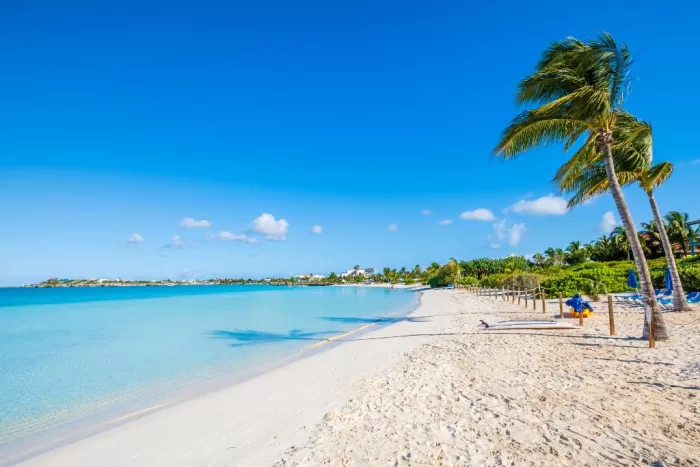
(679, 301)
(657, 319)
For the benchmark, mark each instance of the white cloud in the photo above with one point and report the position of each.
(549, 205)
(254, 240)
(514, 234)
(445, 222)
(608, 223)
(317, 229)
(495, 246)
(225, 235)
(500, 229)
(135, 238)
(271, 228)
(426, 212)
(695, 162)
(177, 243)
(190, 223)
(477, 215)
(393, 227)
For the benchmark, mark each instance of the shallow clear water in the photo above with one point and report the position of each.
(71, 353)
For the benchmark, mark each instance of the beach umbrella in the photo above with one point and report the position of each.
(632, 280)
(669, 283)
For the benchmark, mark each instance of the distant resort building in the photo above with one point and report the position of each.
(309, 277)
(354, 273)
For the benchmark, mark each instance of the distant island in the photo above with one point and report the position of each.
(67, 283)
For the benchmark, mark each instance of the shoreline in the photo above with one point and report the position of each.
(174, 400)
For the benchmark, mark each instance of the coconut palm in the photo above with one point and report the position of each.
(458, 270)
(580, 87)
(632, 155)
(538, 259)
(677, 228)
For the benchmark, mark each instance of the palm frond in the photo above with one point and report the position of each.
(530, 129)
(657, 175)
(616, 61)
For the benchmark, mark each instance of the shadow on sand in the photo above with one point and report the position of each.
(242, 337)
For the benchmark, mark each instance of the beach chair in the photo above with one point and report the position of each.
(664, 293)
(693, 297)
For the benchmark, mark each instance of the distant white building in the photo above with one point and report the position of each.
(354, 273)
(309, 277)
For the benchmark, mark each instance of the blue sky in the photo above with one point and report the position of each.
(351, 115)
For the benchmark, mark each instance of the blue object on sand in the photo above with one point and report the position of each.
(669, 282)
(577, 304)
(632, 280)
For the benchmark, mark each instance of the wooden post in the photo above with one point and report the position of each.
(580, 318)
(652, 330)
(525, 293)
(544, 304)
(503, 293)
(561, 306)
(518, 296)
(534, 299)
(611, 317)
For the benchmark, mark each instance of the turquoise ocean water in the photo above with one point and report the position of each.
(70, 354)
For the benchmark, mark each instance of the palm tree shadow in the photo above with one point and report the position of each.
(384, 320)
(243, 337)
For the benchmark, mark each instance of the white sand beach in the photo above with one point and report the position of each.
(435, 389)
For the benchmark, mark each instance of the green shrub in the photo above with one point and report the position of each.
(494, 280)
(469, 281)
(523, 281)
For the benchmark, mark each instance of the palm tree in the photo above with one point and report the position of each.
(579, 87)
(677, 229)
(652, 236)
(458, 270)
(632, 152)
(538, 259)
(619, 241)
(416, 270)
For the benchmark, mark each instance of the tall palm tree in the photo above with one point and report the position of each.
(632, 155)
(579, 87)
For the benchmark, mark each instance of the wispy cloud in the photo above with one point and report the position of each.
(229, 236)
(608, 222)
(426, 212)
(191, 223)
(317, 229)
(495, 246)
(445, 222)
(515, 233)
(271, 228)
(134, 239)
(499, 229)
(549, 205)
(393, 227)
(176, 243)
(695, 162)
(480, 214)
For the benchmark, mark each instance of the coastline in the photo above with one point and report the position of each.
(319, 358)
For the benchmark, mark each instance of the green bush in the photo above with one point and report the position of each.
(494, 280)
(577, 279)
(468, 281)
(523, 281)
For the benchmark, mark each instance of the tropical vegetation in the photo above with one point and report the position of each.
(576, 94)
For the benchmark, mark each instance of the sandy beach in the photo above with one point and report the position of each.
(435, 389)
